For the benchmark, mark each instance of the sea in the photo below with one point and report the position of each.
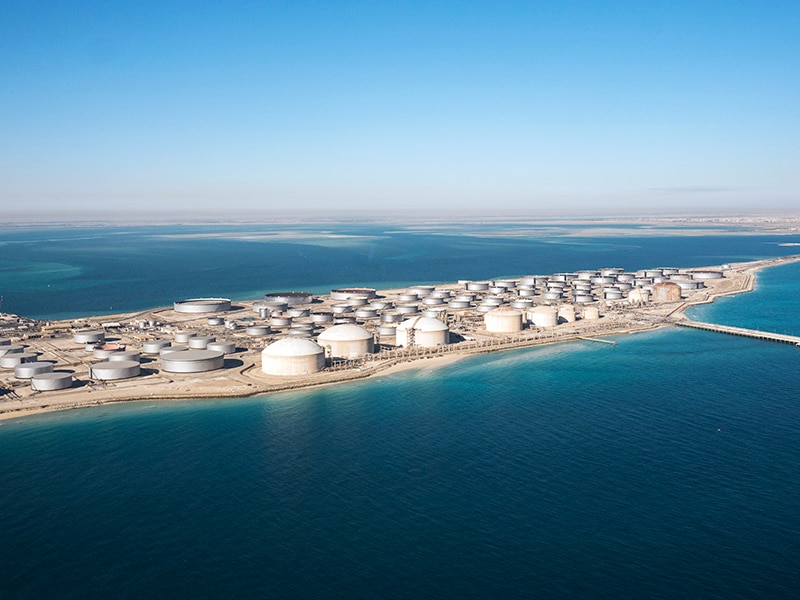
(666, 466)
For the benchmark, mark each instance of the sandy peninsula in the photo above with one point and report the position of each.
(241, 374)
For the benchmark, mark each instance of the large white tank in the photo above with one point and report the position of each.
(591, 313)
(638, 296)
(292, 356)
(426, 332)
(543, 316)
(346, 341)
(503, 320)
(566, 313)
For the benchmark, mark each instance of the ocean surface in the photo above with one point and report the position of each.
(664, 467)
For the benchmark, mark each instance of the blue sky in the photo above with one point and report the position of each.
(540, 107)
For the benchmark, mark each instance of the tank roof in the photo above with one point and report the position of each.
(293, 346)
(345, 332)
(423, 324)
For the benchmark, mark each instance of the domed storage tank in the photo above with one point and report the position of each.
(46, 382)
(666, 291)
(346, 341)
(89, 336)
(503, 320)
(638, 296)
(543, 316)
(566, 313)
(292, 356)
(113, 370)
(192, 361)
(425, 332)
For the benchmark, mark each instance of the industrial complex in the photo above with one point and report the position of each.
(215, 347)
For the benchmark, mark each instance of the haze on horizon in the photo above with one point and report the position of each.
(523, 107)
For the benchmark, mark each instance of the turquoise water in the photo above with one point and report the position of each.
(664, 467)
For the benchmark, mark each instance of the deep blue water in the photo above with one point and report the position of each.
(664, 467)
(63, 273)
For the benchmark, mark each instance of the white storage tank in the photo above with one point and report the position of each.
(543, 316)
(566, 313)
(31, 369)
(118, 369)
(426, 332)
(346, 341)
(192, 361)
(503, 320)
(638, 296)
(45, 382)
(89, 337)
(292, 356)
(591, 313)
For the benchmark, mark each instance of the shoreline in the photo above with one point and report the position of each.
(245, 380)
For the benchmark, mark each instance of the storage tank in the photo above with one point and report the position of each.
(192, 361)
(666, 291)
(425, 332)
(12, 359)
(292, 356)
(46, 382)
(705, 275)
(321, 317)
(202, 305)
(543, 316)
(638, 296)
(155, 346)
(224, 347)
(345, 293)
(477, 286)
(346, 341)
(290, 298)
(591, 313)
(503, 320)
(11, 349)
(184, 336)
(29, 370)
(421, 290)
(200, 342)
(125, 355)
(257, 330)
(113, 370)
(91, 336)
(566, 313)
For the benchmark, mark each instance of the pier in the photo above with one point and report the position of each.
(751, 333)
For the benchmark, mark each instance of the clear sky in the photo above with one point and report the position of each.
(532, 106)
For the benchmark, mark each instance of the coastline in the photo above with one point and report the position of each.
(243, 378)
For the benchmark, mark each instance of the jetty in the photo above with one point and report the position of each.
(740, 331)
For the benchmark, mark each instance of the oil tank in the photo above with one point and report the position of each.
(224, 347)
(200, 342)
(591, 313)
(425, 332)
(666, 291)
(89, 336)
(155, 346)
(125, 355)
(291, 357)
(566, 313)
(12, 359)
(543, 316)
(111, 371)
(45, 382)
(346, 341)
(202, 305)
(184, 336)
(31, 369)
(192, 361)
(290, 298)
(503, 320)
(11, 349)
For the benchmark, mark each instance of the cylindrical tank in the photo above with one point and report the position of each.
(407, 309)
(638, 296)
(552, 295)
(666, 291)
(258, 330)
(477, 286)
(591, 313)
(224, 347)
(705, 275)
(290, 298)
(421, 290)
(155, 346)
(11, 360)
(408, 297)
(526, 292)
(509, 284)
(522, 303)
(46, 382)
(341, 309)
(113, 370)
(459, 304)
(11, 349)
(381, 304)
(321, 317)
(292, 356)
(201, 341)
(357, 300)
(215, 321)
(432, 301)
(183, 337)
(392, 318)
(29, 370)
(192, 361)
(566, 313)
(422, 331)
(387, 330)
(503, 320)
(125, 355)
(89, 336)
(280, 321)
(543, 316)
(346, 341)
(202, 305)
(583, 298)
(296, 313)
(366, 313)
(167, 349)
(345, 293)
